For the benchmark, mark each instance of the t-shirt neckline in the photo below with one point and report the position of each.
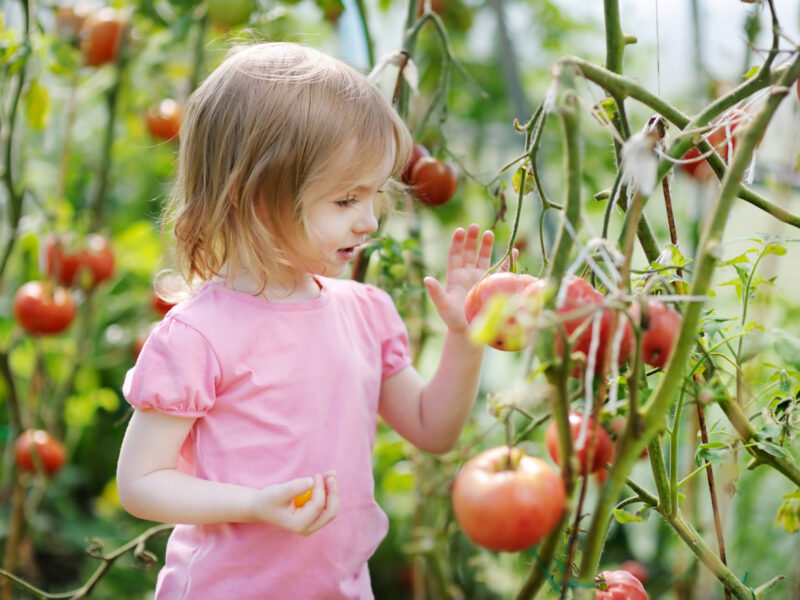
(312, 304)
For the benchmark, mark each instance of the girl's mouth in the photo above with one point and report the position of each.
(347, 253)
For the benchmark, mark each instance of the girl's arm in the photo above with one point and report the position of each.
(431, 415)
(150, 486)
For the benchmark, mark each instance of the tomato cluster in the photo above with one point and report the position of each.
(431, 180)
(47, 307)
(592, 327)
(65, 259)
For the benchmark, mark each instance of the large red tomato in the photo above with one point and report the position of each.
(659, 332)
(433, 181)
(163, 119)
(619, 585)
(507, 501)
(51, 452)
(580, 294)
(603, 446)
(102, 36)
(418, 151)
(39, 308)
(511, 336)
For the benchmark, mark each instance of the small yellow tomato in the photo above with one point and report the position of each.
(300, 501)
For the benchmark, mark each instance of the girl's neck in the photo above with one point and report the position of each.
(298, 288)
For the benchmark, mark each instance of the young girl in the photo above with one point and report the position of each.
(268, 380)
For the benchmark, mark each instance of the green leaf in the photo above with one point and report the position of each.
(608, 108)
(711, 452)
(774, 248)
(789, 512)
(752, 72)
(37, 105)
(517, 179)
(774, 449)
(81, 408)
(787, 347)
(623, 516)
(677, 258)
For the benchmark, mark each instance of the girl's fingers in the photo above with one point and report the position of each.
(485, 253)
(331, 509)
(455, 257)
(286, 492)
(471, 245)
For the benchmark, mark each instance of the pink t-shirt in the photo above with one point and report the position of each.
(280, 390)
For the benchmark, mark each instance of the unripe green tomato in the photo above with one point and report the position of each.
(398, 271)
(230, 12)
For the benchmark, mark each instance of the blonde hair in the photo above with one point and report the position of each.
(257, 134)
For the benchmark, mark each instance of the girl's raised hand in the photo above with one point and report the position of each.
(275, 504)
(468, 260)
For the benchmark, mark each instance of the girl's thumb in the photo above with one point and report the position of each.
(435, 289)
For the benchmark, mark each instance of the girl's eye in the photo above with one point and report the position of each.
(346, 202)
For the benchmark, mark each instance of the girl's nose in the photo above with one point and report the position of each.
(367, 222)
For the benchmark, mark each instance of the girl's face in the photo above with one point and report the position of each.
(339, 218)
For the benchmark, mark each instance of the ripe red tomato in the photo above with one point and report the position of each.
(98, 257)
(603, 446)
(39, 308)
(723, 139)
(51, 452)
(62, 259)
(507, 501)
(619, 585)
(637, 569)
(164, 119)
(512, 336)
(659, 332)
(70, 19)
(579, 294)
(102, 36)
(433, 181)
(160, 305)
(418, 151)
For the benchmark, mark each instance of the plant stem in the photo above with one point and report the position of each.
(789, 468)
(362, 18)
(15, 196)
(107, 560)
(568, 112)
(712, 490)
(99, 199)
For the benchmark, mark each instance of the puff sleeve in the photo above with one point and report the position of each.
(177, 372)
(395, 353)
